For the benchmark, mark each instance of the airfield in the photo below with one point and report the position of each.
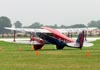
(15, 56)
(27, 40)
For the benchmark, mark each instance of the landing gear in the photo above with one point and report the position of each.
(37, 47)
(14, 36)
(59, 47)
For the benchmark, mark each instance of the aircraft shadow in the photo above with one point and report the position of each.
(52, 49)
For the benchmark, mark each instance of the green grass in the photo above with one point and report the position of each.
(11, 58)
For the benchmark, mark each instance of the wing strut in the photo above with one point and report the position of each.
(14, 35)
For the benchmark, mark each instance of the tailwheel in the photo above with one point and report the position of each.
(59, 47)
(37, 47)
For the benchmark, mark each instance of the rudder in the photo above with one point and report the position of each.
(80, 39)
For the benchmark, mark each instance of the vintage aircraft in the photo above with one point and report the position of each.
(53, 36)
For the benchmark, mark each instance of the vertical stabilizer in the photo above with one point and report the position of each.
(80, 39)
(79, 42)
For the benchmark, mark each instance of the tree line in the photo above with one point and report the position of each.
(6, 22)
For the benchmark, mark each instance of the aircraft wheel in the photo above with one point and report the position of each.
(37, 47)
(59, 47)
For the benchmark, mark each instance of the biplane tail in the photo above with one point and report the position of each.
(79, 41)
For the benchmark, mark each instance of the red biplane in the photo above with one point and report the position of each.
(53, 36)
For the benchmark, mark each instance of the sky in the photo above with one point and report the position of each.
(50, 12)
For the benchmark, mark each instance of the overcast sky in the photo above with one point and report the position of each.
(49, 12)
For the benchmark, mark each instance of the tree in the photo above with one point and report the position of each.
(77, 26)
(18, 24)
(35, 25)
(62, 26)
(98, 24)
(52, 26)
(4, 22)
(94, 23)
(55, 25)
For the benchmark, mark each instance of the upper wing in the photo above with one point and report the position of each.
(28, 30)
(46, 31)
(76, 29)
(71, 30)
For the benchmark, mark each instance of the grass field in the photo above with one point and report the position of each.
(22, 57)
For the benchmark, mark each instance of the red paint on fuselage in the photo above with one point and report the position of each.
(37, 39)
(37, 46)
(59, 35)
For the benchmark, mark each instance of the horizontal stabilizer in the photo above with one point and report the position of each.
(76, 45)
(86, 44)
